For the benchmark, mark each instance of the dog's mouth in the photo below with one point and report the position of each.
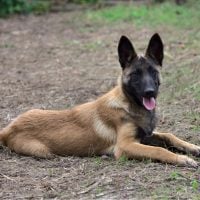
(149, 102)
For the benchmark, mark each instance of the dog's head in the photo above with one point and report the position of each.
(140, 76)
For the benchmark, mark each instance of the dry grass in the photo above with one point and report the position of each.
(56, 61)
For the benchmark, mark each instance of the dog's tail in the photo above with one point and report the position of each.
(4, 135)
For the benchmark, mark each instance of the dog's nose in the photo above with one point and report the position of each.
(149, 92)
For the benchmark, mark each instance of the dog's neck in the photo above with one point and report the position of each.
(143, 118)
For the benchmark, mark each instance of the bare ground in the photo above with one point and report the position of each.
(59, 60)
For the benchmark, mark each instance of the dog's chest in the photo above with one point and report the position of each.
(145, 121)
(104, 131)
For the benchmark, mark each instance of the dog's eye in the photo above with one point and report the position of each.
(153, 72)
(133, 74)
(136, 73)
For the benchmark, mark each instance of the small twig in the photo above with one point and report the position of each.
(7, 177)
(91, 186)
(113, 191)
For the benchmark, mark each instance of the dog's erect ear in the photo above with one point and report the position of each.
(126, 52)
(155, 49)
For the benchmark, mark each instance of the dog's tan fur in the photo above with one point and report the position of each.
(107, 125)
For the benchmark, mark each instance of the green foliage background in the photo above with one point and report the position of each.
(8, 7)
(165, 10)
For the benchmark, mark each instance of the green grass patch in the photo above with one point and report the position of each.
(85, 1)
(123, 159)
(195, 184)
(98, 160)
(183, 184)
(7, 45)
(194, 117)
(155, 14)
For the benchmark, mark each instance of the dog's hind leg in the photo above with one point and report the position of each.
(30, 147)
(173, 141)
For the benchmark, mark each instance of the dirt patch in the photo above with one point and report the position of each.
(56, 61)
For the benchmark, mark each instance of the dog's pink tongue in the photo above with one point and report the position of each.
(149, 103)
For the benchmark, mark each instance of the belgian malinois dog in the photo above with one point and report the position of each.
(121, 122)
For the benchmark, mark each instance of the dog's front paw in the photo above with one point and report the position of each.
(195, 150)
(186, 161)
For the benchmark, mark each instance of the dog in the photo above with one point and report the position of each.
(120, 122)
